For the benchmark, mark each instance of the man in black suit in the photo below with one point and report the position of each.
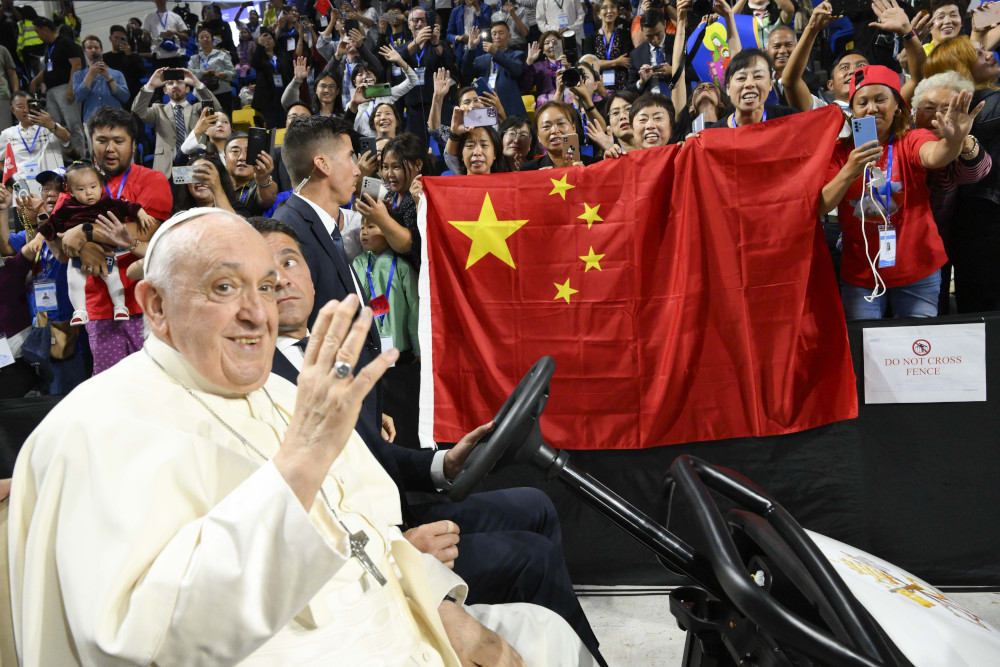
(511, 539)
(649, 66)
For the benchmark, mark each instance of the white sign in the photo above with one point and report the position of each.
(942, 363)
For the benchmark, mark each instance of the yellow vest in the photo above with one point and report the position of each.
(26, 36)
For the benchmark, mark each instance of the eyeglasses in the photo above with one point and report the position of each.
(620, 111)
(523, 136)
(326, 86)
(418, 19)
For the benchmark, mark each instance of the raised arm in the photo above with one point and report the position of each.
(953, 125)
(678, 95)
(796, 92)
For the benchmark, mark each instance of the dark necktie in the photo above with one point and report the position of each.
(302, 343)
(181, 131)
(338, 241)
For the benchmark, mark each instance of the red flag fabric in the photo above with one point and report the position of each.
(686, 294)
(9, 166)
(322, 6)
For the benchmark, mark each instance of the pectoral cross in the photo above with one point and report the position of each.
(358, 541)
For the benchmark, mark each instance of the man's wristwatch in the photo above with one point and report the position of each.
(88, 231)
(270, 182)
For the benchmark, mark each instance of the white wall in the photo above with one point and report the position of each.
(98, 16)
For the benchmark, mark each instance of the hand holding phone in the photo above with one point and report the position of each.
(864, 130)
(486, 117)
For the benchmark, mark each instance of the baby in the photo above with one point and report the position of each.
(87, 199)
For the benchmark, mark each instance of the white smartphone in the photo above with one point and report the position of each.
(486, 117)
(372, 187)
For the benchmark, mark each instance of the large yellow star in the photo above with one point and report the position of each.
(489, 235)
(590, 215)
(561, 186)
(593, 260)
(564, 291)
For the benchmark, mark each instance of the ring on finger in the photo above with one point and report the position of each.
(342, 369)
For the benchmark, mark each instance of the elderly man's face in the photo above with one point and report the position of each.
(222, 314)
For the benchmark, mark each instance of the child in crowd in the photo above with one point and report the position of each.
(383, 273)
(88, 197)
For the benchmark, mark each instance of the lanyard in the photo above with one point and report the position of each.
(609, 43)
(243, 192)
(204, 63)
(121, 185)
(388, 284)
(560, 4)
(885, 193)
(732, 119)
(274, 63)
(163, 21)
(420, 55)
(33, 139)
(51, 49)
(398, 200)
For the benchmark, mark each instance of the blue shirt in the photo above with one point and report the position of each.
(99, 93)
(52, 269)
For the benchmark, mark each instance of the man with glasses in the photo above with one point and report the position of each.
(254, 187)
(425, 53)
(37, 140)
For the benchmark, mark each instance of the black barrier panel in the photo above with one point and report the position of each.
(912, 483)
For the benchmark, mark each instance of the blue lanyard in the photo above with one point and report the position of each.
(610, 44)
(246, 191)
(421, 55)
(398, 200)
(121, 185)
(204, 63)
(51, 49)
(274, 63)
(732, 119)
(163, 21)
(388, 284)
(883, 195)
(33, 140)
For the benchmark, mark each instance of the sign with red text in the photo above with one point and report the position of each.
(943, 363)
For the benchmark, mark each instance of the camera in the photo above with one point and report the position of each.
(570, 48)
(572, 77)
(36, 104)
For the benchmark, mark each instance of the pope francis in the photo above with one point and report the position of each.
(188, 508)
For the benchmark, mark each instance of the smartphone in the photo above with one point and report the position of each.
(20, 188)
(183, 175)
(96, 58)
(485, 36)
(259, 142)
(557, 50)
(985, 15)
(864, 130)
(378, 90)
(351, 24)
(372, 187)
(482, 86)
(209, 106)
(173, 75)
(368, 146)
(573, 148)
(486, 117)
(36, 105)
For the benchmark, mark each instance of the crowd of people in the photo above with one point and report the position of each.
(468, 88)
(130, 176)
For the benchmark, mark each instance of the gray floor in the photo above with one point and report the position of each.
(635, 627)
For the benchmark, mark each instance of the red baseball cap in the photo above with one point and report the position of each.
(870, 75)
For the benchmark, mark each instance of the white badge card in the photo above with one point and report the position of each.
(277, 81)
(324, 21)
(45, 295)
(31, 170)
(48, 66)
(6, 356)
(493, 80)
(563, 20)
(386, 341)
(290, 44)
(887, 245)
(397, 70)
(419, 71)
(608, 77)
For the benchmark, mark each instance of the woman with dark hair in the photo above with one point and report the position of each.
(519, 140)
(554, 123)
(404, 159)
(611, 43)
(540, 73)
(274, 70)
(213, 67)
(326, 98)
(213, 187)
(974, 243)
(892, 251)
(386, 121)
(748, 83)
(482, 152)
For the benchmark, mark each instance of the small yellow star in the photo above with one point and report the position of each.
(489, 235)
(593, 260)
(564, 291)
(590, 215)
(561, 186)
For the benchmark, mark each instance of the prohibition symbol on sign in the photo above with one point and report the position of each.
(921, 347)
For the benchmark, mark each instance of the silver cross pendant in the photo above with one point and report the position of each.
(358, 541)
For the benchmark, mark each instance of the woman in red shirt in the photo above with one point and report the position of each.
(895, 263)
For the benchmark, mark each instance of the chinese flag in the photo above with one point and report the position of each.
(9, 166)
(686, 294)
(322, 6)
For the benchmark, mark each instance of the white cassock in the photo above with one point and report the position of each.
(143, 531)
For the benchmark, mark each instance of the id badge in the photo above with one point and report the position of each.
(31, 170)
(290, 44)
(493, 81)
(6, 356)
(563, 20)
(45, 295)
(608, 77)
(48, 66)
(397, 70)
(387, 344)
(278, 83)
(324, 21)
(419, 71)
(887, 245)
